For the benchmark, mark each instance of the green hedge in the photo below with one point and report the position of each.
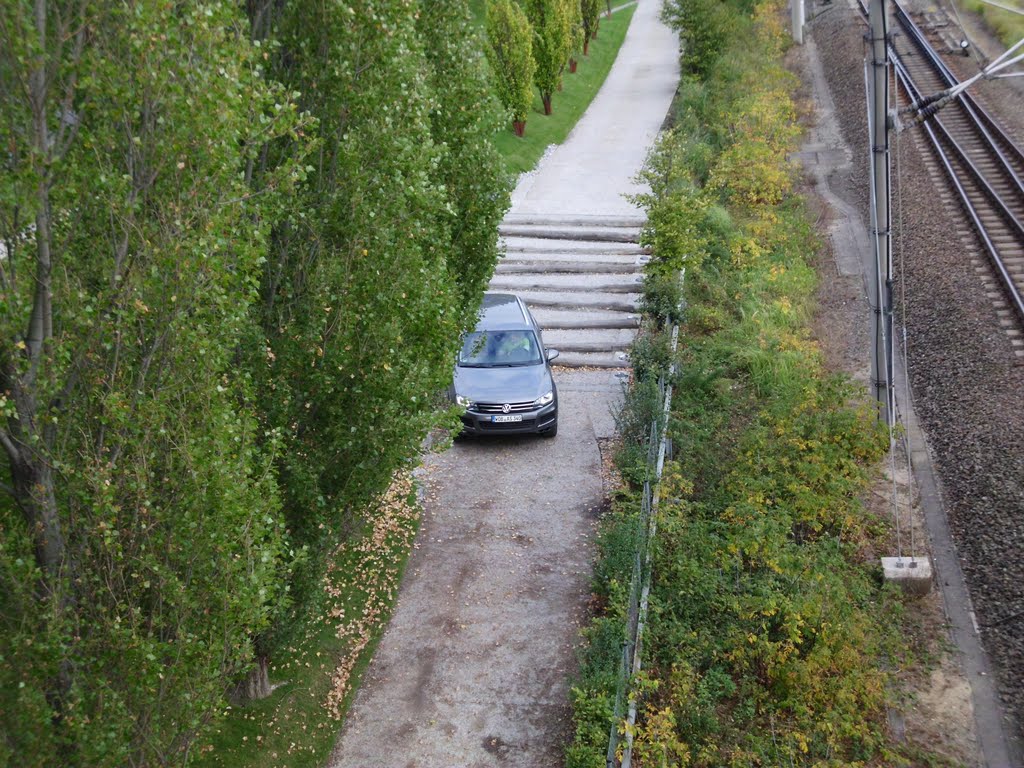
(770, 633)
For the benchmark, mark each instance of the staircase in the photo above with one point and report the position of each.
(580, 276)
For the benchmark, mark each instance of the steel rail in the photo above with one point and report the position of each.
(1000, 266)
(986, 125)
(906, 79)
(951, 79)
(992, 139)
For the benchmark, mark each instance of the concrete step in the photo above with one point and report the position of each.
(581, 277)
(597, 340)
(543, 281)
(620, 302)
(547, 245)
(543, 258)
(511, 267)
(574, 220)
(554, 319)
(592, 360)
(589, 234)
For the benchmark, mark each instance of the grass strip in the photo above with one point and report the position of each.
(296, 727)
(568, 105)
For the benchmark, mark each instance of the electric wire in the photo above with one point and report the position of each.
(904, 352)
(1009, 8)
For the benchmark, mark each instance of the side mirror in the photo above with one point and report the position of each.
(551, 353)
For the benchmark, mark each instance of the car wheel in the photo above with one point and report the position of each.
(551, 432)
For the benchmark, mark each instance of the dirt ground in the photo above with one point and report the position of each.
(936, 705)
(475, 666)
(937, 709)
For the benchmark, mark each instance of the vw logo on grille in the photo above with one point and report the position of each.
(505, 408)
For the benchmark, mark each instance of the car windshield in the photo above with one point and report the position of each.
(494, 349)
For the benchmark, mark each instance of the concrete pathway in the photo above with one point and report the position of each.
(571, 236)
(591, 172)
(474, 669)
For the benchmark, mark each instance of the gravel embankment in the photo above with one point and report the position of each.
(968, 391)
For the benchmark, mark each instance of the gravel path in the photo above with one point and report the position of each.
(474, 669)
(968, 392)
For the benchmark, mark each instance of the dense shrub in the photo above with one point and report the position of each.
(510, 52)
(704, 27)
(662, 299)
(768, 635)
(650, 354)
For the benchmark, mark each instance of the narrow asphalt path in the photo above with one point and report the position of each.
(475, 666)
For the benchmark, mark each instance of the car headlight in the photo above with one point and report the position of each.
(544, 399)
(465, 402)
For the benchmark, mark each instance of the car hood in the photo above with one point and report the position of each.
(503, 385)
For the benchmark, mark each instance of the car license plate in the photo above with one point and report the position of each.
(509, 417)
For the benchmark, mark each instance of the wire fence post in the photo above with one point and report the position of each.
(658, 446)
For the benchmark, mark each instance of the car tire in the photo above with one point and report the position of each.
(551, 432)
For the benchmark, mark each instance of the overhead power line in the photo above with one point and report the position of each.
(924, 108)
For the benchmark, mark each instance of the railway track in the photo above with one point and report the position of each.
(983, 165)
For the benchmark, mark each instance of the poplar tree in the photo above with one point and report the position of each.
(510, 52)
(550, 45)
(590, 10)
(575, 40)
(464, 115)
(140, 538)
(378, 265)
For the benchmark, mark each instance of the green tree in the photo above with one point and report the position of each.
(370, 273)
(463, 117)
(510, 53)
(590, 10)
(575, 40)
(140, 539)
(550, 45)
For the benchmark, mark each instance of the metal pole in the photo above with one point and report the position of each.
(797, 16)
(881, 290)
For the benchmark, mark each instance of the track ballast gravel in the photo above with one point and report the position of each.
(968, 391)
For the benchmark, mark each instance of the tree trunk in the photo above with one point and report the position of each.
(546, 98)
(26, 441)
(519, 127)
(586, 45)
(32, 478)
(572, 66)
(256, 684)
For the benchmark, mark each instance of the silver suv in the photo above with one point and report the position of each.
(503, 373)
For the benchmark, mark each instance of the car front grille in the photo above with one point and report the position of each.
(506, 426)
(500, 407)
